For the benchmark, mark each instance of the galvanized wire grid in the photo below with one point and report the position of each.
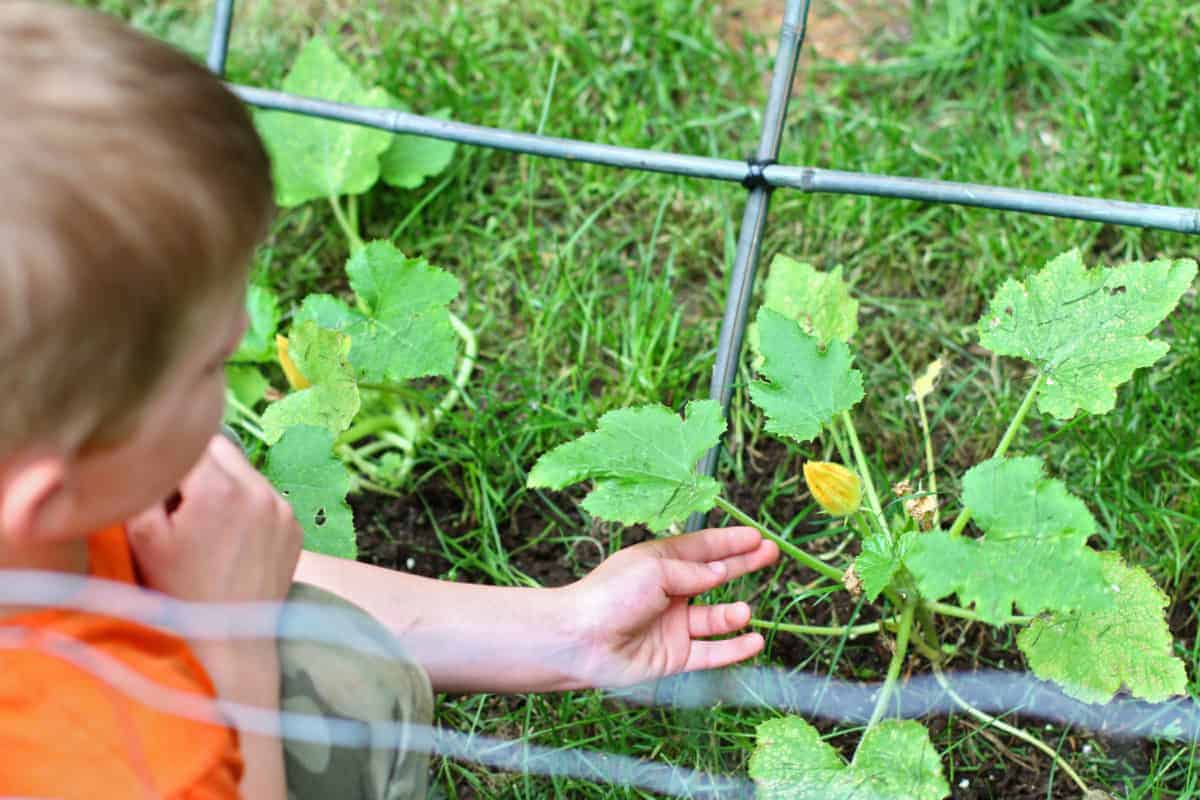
(760, 175)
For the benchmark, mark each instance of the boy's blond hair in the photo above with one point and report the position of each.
(134, 191)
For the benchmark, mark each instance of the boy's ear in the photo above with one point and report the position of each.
(36, 499)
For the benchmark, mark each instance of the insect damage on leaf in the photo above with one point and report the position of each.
(1093, 654)
(819, 301)
(643, 460)
(895, 761)
(1084, 328)
(332, 399)
(302, 467)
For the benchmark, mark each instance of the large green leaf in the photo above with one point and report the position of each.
(332, 400)
(895, 761)
(643, 461)
(806, 385)
(1093, 654)
(408, 332)
(313, 158)
(302, 467)
(1085, 329)
(405, 331)
(1034, 553)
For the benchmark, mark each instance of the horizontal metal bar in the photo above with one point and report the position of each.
(1117, 212)
(807, 179)
(534, 144)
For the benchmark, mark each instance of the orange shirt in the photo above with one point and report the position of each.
(67, 733)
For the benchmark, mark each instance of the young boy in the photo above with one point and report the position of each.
(136, 190)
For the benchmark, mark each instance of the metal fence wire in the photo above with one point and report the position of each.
(760, 174)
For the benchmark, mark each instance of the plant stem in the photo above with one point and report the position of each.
(365, 428)
(470, 353)
(987, 719)
(861, 461)
(251, 421)
(352, 238)
(947, 610)
(817, 630)
(804, 558)
(897, 662)
(937, 517)
(352, 212)
(964, 516)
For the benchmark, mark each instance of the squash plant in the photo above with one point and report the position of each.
(1088, 620)
(346, 418)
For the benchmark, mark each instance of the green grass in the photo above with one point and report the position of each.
(594, 288)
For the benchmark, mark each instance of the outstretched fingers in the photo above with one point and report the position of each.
(740, 549)
(712, 655)
(688, 578)
(712, 544)
(717, 620)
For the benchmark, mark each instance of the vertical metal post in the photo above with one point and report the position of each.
(218, 43)
(754, 218)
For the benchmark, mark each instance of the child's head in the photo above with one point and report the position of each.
(135, 189)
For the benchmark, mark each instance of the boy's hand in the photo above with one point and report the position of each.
(633, 612)
(231, 537)
(228, 537)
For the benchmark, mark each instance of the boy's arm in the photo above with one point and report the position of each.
(627, 621)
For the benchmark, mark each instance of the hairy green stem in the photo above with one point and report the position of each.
(937, 516)
(818, 630)
(989, 720)
(787, 547)
(251, 421)
(365, 428)
(861, 461)
(352, 238)
(947, 610)
(470, 353)
(897, 662)
(964, 516)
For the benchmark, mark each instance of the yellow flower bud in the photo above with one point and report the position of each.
(294, 376)
(835, 488)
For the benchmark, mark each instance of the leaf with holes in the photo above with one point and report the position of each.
(806, 386)
(1034, 552)
(332, 400)
(1093, 654)
(1084, 328)
(643, 461)
(303, 468)
(895, 761)
(313, 158)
